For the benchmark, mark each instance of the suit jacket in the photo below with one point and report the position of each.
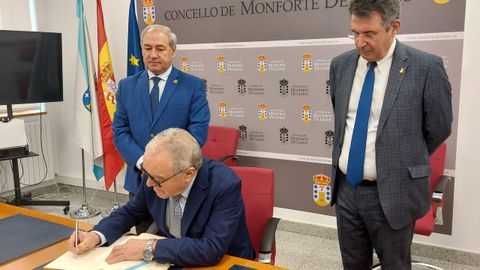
(183, 105)
(213, 221)
(415, 119)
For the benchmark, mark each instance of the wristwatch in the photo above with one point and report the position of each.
(148, 250)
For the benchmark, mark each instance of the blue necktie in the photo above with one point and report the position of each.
(154, 95)
(356, 157)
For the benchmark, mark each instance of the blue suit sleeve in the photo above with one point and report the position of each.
(219, 231)
(199, 114)
(124, 218)
(122, 136)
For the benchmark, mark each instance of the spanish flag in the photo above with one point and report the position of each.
(107, 88)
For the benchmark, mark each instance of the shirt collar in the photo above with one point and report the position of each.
(163, 76)
(384, 64)
(186, 192)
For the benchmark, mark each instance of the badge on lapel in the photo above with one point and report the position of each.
(402, 70)
(175, 81)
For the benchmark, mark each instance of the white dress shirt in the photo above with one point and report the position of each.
(382, 70)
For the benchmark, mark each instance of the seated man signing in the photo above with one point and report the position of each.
(195, 202)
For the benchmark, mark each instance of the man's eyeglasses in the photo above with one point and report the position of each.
(365, 36)
(159, 182)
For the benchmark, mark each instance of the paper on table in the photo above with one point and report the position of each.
(95, 258)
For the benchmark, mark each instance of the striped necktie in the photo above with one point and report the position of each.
(175, 216)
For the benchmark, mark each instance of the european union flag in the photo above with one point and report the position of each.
(134, 53)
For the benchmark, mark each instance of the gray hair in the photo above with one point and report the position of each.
(388, 9)
(182, 147)
(172, 38)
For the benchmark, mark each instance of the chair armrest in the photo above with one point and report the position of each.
(222, 159)
(265, 251)
(437, 196)
(437, 199)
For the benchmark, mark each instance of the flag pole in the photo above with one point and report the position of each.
(116, 204)
(84, 211)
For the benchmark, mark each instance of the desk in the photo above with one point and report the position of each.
(229, 261)
(43, 255)
(50, 253)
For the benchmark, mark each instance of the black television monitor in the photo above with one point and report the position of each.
(30, 67)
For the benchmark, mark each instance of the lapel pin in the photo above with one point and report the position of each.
(175, 81)
(402, 70)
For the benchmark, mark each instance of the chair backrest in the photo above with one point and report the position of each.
(258, 197)
(437, 165)
(426, 224)
(221, 142)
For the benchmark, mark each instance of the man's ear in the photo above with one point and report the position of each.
(395, 26)
(190, 172)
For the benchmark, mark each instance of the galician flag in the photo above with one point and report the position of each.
(86, 124)
(107, 88)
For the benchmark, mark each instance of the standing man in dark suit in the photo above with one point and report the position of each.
(392, 106)
(154, 100)
(205, 193)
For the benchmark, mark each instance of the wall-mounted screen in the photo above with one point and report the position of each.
(30, 67)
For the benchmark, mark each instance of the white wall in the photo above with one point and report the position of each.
(59, 16)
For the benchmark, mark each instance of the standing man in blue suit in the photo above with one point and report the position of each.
(392, 106)
(207, 195)
(154, 100)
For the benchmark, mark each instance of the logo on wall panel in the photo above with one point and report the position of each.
(322, 190)
(329, 138)
(222, 109)
(306, 113)
(242, 87)
(221, 63)
(243, 132)
(184, 64)
(262, 63)
(284, 135)
(262, 111)
(149, 11)
(307, 62)
(327, 87)
(283, 88)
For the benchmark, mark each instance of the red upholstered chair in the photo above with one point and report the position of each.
(258, 196)
(222, 144)
(438, 181)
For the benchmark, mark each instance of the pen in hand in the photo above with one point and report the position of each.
(76, 237)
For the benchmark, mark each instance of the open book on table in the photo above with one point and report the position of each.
(95, 259)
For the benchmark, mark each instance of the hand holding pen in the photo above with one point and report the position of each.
(81, 242)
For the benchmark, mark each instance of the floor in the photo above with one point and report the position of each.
(294, 250)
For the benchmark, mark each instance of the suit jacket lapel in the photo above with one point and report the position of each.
(398, 71)
(197, 195)
(342, 100)
(168, 91)
(144, 88)
(163, 218)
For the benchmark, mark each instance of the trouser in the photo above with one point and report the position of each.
(363, 227)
